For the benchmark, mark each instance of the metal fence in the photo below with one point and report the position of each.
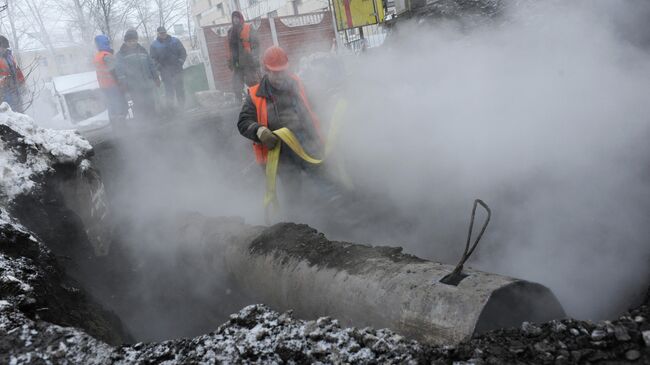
(360, 39)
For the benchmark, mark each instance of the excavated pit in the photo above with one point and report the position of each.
(150, 280)
(59, 267)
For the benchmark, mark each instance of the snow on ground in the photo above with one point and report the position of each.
(259, 335)
(18, 168)
(255, 335)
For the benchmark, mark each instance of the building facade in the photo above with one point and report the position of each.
(216, 12)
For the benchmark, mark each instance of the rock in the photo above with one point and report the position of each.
(576, 355)
(561, 360)
(558, 327)
(632, 355)
(530, 329)
(598, 335)
(596, 356)
(574, 332)
(621, 333)
(646, 337)
(544, 346)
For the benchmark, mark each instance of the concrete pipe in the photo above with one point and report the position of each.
(289, 266)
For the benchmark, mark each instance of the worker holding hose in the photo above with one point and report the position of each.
(279, 102)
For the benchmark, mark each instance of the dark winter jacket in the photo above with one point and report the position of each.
(135, 70)
(169, 54)
(284, 109)
(11, 80)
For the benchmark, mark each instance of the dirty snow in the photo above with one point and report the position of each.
(259, 335)
(47, 147)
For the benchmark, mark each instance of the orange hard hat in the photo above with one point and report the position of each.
(275, 59)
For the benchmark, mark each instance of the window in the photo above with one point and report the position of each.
(179, 29)
(60, 59)
(42, 61)
(220, 9)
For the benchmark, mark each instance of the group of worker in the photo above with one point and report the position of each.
(129, 78)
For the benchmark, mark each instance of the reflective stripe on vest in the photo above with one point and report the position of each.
(245, 37)
(261, 152)
(104, 76)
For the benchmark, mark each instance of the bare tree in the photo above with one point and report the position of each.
(145, 17)
(104, 15)
(30, 94)
(79, 15)
(35, 12)
(112, 15)
(170, 11)
(11, 16)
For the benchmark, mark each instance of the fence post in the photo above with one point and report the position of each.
(274, 33)
(205, 56)
(337, 35)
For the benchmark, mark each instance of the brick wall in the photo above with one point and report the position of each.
(299, 35)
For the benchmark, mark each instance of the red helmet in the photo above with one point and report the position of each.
(275, 59)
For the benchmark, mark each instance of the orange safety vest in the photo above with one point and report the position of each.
(104, 75)
(245, 37)
(261, 151)
(5, 72)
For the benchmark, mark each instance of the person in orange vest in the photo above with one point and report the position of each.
(12, 80)
(243, 54)
(279, 100)
(105, 63)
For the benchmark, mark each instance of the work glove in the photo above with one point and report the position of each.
(267, 137)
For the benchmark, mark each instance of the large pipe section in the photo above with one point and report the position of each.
(289, 266)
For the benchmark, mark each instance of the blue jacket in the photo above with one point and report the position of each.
(169, 54)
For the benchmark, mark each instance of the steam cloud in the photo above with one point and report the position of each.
(544, 113)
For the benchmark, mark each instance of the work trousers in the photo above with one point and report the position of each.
(11, 95)
(241, 76)
(115, 103)
(303, 186)
(144, 104)
(174, 87)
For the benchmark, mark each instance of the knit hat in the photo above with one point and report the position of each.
(103, 43)
(161, 29)
(130, 34)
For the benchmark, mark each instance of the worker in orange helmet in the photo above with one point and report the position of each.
(278, 101)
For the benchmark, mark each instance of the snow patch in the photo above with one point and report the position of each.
(63, 145)
(45, 148)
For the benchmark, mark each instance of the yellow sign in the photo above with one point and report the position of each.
(357, 13)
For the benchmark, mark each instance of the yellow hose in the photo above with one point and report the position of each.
(287, 137)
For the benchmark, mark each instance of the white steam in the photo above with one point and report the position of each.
(544, 114)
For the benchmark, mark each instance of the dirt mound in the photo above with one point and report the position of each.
(624, 340)
(259, 335)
